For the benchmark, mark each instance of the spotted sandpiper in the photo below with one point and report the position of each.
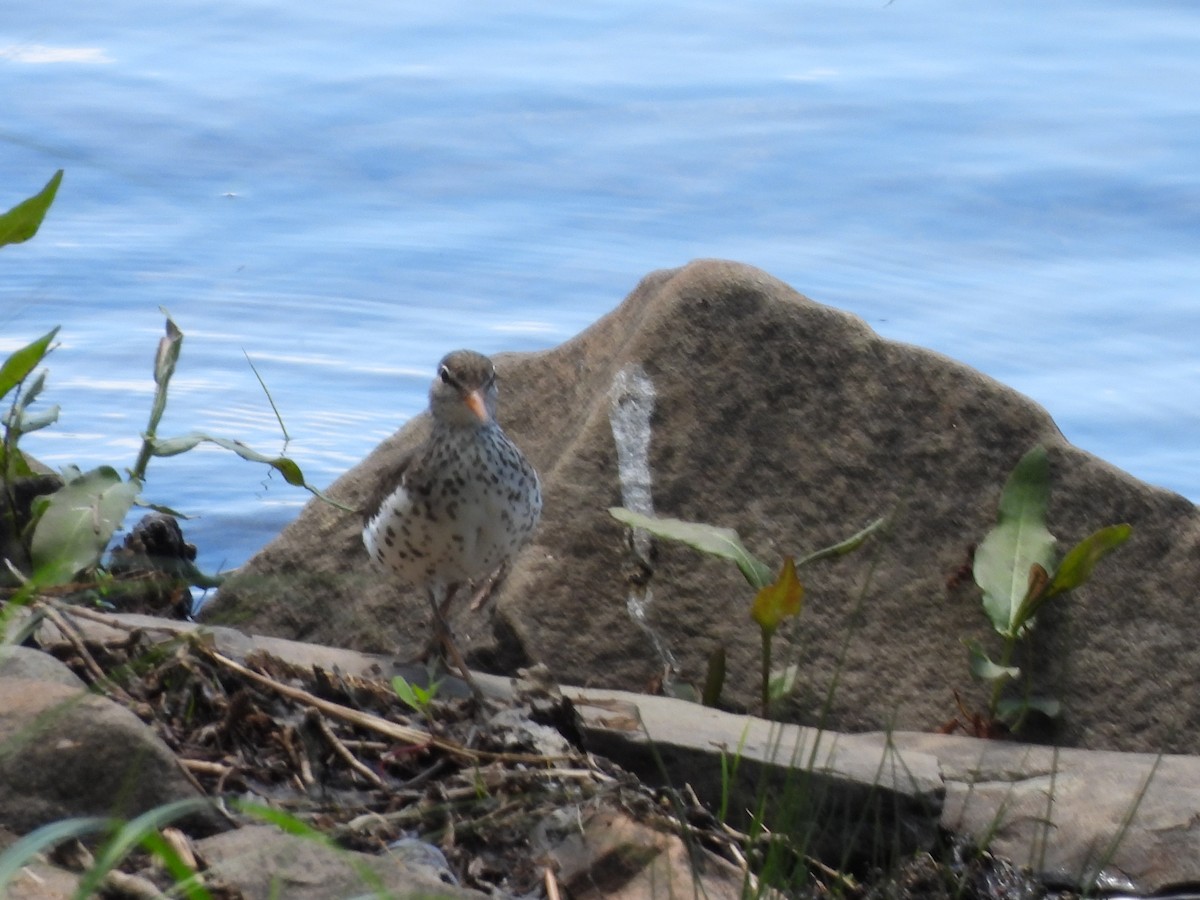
(460, 505)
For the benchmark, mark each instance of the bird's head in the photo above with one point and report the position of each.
(464, 391)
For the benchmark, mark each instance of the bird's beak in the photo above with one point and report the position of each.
(474, 401)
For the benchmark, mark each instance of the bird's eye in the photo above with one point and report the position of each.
(445, 375)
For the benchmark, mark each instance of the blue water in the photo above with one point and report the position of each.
(344, 194)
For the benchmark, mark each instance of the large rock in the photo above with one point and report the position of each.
(795, 424)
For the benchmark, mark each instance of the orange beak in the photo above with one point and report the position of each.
(474, 401)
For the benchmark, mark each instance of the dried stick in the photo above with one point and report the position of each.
(342, 750)
(401, 733)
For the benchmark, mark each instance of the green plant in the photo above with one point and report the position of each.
(417, 697)
(69, 528)
(22, 222)
(776, 597)
(1016, 568)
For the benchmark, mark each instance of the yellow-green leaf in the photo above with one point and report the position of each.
(779, 600)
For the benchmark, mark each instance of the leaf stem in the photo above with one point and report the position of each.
(766, 673)
(1010, 644)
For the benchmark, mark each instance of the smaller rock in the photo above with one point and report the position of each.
(616, 858)
(155, 569)
(263, 861)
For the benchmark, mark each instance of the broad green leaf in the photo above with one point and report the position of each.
(711, 539)
(24, 361)
(23, 221)
(77, 522)
(1017, 542)
(1077, 565)
(983, 668)
(779, 600)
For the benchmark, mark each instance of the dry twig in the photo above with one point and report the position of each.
(314, 717)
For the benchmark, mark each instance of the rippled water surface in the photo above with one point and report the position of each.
(344, 194)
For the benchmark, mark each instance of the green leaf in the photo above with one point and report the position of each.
(131, 834)
(24, 361)
(23, 221)
(286, 467)
(27, 849)
(170, 346)
(983, 668)
(710, 539)
(1019, 541)
(23, 423)
(174, 446)
(849, 545)
(404, 690)
(714, 677)
(76, 523)
(1077, 565)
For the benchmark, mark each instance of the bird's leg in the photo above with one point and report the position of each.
(484, 592)
(445, 637)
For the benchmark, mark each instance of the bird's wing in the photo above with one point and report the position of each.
(387, 482)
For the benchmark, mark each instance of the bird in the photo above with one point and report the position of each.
(460, 505)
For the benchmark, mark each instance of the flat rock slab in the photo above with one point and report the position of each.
(1099, 821)
(852, 800)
